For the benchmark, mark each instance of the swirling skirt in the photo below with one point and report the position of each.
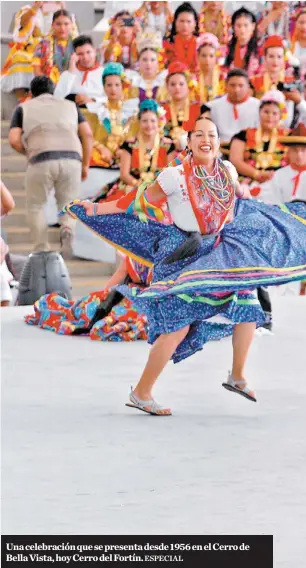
(215, 288)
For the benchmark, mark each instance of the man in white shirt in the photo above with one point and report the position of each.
(236, 110)
(83, 81)
(289, 183)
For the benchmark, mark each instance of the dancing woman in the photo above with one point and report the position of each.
(247, 243)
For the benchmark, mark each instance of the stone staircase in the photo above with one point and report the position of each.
(86, 276)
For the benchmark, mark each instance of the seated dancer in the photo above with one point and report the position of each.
(52, 54)
(180, 112)
(257, 152)
(243, 49)
(102, 315)
(213, 19)
(154, 16)
(298, 45)
(30, 24)
(275, 20)
(115, 118)
(211, 80)
(82, 82)
(236, 110)
(119, 42)
(143, 156)
(275, 68)
(197, 273)
(289, 183)
(148, 82)
(181, 44)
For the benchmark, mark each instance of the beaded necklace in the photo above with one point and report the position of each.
(209, 93)
(265, 159)
(148, 158)
(218, 184)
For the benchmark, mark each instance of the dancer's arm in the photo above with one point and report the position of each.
(94, 209)
(154, 193)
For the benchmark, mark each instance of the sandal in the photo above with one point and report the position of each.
(243, 390)
(148, 406)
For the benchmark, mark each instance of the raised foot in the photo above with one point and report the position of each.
(240, 387)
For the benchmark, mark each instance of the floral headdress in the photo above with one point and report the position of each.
(178, 67)
(277, 97)
(209, 39)
(151, 39)
(152, 105)
(114, 68)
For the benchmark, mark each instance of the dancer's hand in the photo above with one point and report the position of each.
(89, 207)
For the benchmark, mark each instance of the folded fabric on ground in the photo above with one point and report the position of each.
(68, 317)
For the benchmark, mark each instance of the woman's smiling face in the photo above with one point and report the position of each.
(204, 141)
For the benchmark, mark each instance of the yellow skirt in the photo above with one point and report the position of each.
(17, 71)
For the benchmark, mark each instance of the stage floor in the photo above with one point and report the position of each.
(75, 460)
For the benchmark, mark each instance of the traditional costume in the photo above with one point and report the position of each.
(180, 117)
(178, 49)
(197, 271)
(102, 315)
(264, 154)
(264, 81)
(153, 88)
(148, 20)
(17, 72)
(232, 118)
(52, 56)
(113, 51)
(145, 165)
(208, 90)
(115, 121)
(288, 183)
(217, 23)
(243, 56)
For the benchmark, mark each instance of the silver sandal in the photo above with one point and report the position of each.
(148, 406)
(245, 391)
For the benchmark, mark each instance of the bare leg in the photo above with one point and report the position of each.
(160, 354)
(242, 339)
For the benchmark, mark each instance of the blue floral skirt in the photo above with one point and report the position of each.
(215, 287)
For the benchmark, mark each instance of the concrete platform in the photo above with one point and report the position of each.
(77, 461)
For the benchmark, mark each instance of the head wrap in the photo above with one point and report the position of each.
(177, 67)
(113, 69)
(148, 104)
(208, 39)
(273, 41)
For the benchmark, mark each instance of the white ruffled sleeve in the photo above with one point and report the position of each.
(168, 180)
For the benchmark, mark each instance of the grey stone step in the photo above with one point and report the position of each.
(13, 181)
(15, 163)
(18, 217)
(5, 126)
(19, 198)
(6, 149)
(17, 234)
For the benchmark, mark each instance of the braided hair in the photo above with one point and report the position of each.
(252, 45)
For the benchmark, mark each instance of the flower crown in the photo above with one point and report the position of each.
(178, 67)
(277, 97)
(152, 105)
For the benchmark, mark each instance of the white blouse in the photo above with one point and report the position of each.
(173, 182)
